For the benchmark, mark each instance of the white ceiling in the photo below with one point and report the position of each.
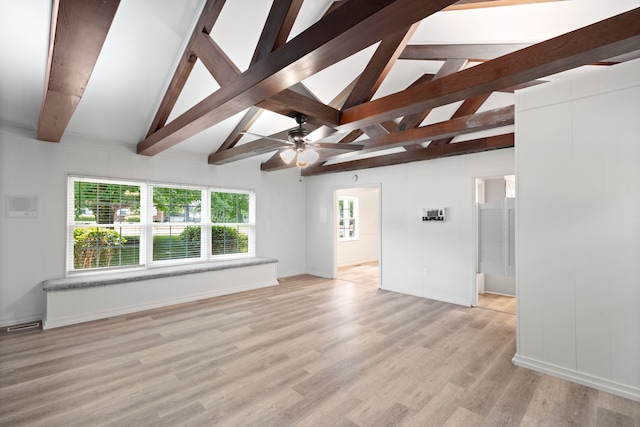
(147, 37)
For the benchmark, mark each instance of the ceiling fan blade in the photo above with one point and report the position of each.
(320, 133)
(284, 141)
(336, 146)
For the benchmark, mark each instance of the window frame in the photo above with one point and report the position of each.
(151, 207)
(354, 218)
(146, 225)
(251, 222)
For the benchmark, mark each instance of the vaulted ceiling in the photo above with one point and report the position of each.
(381, 82)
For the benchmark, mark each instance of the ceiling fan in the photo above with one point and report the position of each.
(302, 145)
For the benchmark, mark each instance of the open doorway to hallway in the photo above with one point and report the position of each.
(357, 235)
(495, 237)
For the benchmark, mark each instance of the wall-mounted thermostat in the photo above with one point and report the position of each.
(433, 214)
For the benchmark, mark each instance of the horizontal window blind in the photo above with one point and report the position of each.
(233, 223)
(177, 223)
(104, 224)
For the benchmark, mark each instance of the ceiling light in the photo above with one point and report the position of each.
(288, 155)
(306, 157)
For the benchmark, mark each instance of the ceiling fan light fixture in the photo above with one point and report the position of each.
(288, 155)
(297, 136)
(306, 157)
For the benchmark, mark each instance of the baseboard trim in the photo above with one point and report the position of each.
(608, 386)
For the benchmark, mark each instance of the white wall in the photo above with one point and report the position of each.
(494, 189)
(32, 250)
(367, 246)
(409, 245)
(578, 228)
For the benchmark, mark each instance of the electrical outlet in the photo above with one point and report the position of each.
(425, 272)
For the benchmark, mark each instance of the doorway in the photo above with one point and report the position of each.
(495, 243)
(357, 235)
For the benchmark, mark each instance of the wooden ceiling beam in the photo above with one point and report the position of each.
(468, 107)
(379, 66)
(472, 52)
(375, 130)
(458, 126)
(289, 103)
(352, 27)
(339, 100)
(276, 163)
(239, 152)
(221, 67)
(512, 89)
(478, 4)
(483, 52)
(610, 37)
(225, 71)
(78, 31)
(277, 28)
(274, 34)
(459, 148)
(208, 17)
(243, 125)
(333, 6)
(450, 66)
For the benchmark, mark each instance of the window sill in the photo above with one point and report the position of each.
(113, 278)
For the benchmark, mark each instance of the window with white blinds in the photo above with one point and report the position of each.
(104, 224)
(348, 218)
(233, 223)
(124, 224)
(177, 223)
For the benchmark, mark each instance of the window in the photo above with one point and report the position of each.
(347, 218)
(120, 224)
(232, 222)
(177, 226)
(104, 226)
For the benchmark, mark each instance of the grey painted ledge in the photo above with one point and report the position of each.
(85, 281)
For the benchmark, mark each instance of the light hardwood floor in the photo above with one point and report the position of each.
(497, 302)
(308, 352)
(365, 273)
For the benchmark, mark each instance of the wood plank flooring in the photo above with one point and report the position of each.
(365, 273)
(496, 302)
(308, 352)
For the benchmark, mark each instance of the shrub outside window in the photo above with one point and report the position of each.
(123, 224)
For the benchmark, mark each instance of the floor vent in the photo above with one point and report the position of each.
(23, 327)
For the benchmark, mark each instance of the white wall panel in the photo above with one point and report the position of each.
(578, 224)
(543, 188)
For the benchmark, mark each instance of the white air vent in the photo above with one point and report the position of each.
(21, 206)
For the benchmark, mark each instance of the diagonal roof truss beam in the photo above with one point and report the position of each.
(350, 28)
